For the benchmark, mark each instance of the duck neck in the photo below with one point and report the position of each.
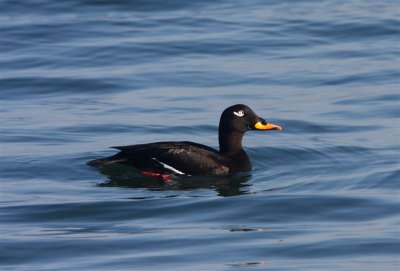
(230, 142)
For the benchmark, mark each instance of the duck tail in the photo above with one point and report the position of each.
(117, 158)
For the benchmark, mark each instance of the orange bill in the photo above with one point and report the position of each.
(267, 126)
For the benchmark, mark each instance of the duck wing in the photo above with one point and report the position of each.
(181, 158)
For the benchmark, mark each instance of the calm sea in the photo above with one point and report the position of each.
(80, 76)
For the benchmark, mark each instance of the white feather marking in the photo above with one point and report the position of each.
(168, 166)
(240, 113)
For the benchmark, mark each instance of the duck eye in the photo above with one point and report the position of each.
(240, 113)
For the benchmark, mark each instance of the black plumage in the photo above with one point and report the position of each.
(189, 158)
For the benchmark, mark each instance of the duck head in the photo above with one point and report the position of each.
(235, 121)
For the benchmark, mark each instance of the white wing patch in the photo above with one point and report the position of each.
(169, 167)
(240, 113)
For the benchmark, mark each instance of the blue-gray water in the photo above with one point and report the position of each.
(80, 76)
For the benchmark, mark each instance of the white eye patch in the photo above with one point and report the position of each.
(240, 113)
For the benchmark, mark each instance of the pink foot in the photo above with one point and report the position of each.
(165, 177)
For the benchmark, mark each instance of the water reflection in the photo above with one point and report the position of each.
(126, 176)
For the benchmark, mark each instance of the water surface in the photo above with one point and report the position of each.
(80, 76)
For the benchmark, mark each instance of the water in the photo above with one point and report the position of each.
(80, 76)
